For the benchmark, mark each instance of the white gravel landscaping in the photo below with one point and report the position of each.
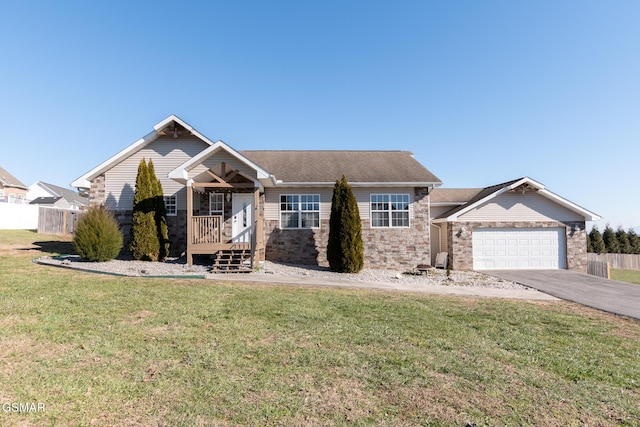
(177, 267)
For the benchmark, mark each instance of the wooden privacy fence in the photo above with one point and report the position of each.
(621, 261)
(599, 268)
(61, 222)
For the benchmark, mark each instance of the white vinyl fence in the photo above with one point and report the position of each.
(16, 216)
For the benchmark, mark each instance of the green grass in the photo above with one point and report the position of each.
(631, 276)
(102, 350)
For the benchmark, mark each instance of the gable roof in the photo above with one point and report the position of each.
(9, 180)
(158, 130)
(318, 167)
(69, 195)
(181, 173)
(290, 168)
(488, 193)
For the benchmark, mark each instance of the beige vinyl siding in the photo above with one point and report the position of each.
(439, 241)
(520, 207)
(437, 211)
(167, 154)
(272, 199)
(230, 161)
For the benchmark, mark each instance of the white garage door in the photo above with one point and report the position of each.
(518, 248)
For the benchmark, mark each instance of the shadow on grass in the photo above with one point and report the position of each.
(55, 247)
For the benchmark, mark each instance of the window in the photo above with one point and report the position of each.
(300, 211)
(171, 204)
(216, 204)
(390, 210)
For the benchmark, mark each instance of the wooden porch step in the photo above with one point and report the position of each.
(232, 261)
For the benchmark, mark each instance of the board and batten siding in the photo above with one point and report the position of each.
(520, 207)
(363, 197)
(167, 154)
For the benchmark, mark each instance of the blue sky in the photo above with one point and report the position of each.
(481, 92)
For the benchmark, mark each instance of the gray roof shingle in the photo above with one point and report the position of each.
(453, 195)
(9, 180)
(317, 166)
(68, 194)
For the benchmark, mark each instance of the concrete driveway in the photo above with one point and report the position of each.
(608, 295)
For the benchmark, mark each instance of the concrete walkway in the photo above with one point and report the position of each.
(529, 294)
(608, 295)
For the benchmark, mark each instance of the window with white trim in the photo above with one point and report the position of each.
(171, 205)
(299, 211)
(390, 210)
(216, 204)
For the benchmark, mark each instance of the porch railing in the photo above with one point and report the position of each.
(206, 229)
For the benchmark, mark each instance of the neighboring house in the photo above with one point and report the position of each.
(12, 190)
(276, 204)
(45, 194)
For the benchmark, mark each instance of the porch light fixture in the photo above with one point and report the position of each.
(576, 228)
(463, 232)
(228, 197)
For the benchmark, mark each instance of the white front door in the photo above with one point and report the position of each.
(242, 217)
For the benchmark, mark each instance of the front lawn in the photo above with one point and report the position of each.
(631, 276)
(105, 351)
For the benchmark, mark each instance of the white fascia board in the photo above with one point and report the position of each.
(447, 203)
(496, 193)
(588, 215)
(85, 180)
(358, 184)
(173, 118)
(182, 171)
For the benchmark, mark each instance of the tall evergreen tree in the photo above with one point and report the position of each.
(623, 241)
(634, 241)
(345, 249)
(610, 241)
(160, 213)
(596, 241)
(589, 244)
(144, 238)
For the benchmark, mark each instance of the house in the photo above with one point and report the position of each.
(276, 204)
(12, 190)
(45, 194)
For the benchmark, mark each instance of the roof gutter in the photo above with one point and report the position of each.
(280, 183)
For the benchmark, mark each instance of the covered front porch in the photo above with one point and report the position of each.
(224, 217)
(224, 214)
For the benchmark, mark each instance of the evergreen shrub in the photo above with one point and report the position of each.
(97, 237)
(345, 249)
(144, 236)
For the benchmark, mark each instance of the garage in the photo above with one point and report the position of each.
(519, 248)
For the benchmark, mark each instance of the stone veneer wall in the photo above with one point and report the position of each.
(97, 192)
(383, 247)
(177, 226)
(461, 250)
